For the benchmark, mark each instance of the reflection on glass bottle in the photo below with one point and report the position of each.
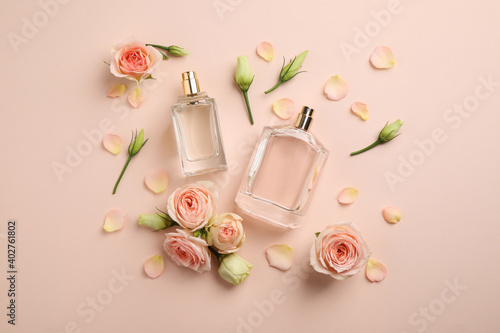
(283, 171)
(197, 130)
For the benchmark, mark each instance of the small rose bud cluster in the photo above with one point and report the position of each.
(202, 232)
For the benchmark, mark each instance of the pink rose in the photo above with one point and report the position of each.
(339, 251)
(192, 206)
(187, 250)
(226, 233)
(134, 60)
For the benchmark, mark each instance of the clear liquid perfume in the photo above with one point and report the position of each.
(197, 130)
(283, 173)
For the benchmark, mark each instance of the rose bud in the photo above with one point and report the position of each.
(233, 268)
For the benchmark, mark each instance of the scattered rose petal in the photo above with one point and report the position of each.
(135, 98)
(391, 214)
(348, 195)
(375, 271)
(115, 220)
(157, 180)
(266, 51)
(154, 266)
(113, 143)
(382, 57)
(336, 88)
(284, 108)
(280, 256)
(360, 110)
(116, 90)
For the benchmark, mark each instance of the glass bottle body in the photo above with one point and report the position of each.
(282, 175)
(197, 130)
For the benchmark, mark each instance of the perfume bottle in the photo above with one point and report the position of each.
(283, 173)
(197, 130)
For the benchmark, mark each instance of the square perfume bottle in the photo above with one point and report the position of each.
(197, 130)
(283, 172)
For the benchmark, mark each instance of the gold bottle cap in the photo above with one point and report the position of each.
(190, 83)
(304, 118)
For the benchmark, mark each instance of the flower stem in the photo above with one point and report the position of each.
(276, 86)
(245, 94)
(121, 174)
(158, 46)
(376, 143)
(217, 254)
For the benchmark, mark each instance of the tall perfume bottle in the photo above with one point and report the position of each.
(197, 130)
(283, 173)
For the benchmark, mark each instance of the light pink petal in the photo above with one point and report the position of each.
(284, 108)
(336, 88)
(135, 98)
(154, 266)
(375, 271)
(157, 180)
(115, 220)
(211, 187)
(280, 256)
(116, 90)
(348, 195)
(382, 57)
(113, 143)
(266, 51)
(360, 110)
(391, 214)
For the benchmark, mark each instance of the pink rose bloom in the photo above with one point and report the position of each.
(134, 60)
(226, 233)
(339, 251)
(187, 250)
(192, 206)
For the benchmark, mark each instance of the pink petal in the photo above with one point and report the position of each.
(382, 57)
(115, 220)
(284, 108)
(348, 195)
(113, 143)
(211, 187)
(157, 180)
(154, 266)
(265, 51)
(391, 214)
(360, 110)
(375, 271)
(336, 88)
(135, 98)
(280, 256)
(116, 90)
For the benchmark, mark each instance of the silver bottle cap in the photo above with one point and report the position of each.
(304, 118)
(190, 83)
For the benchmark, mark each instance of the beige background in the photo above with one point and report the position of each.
(443, 269)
